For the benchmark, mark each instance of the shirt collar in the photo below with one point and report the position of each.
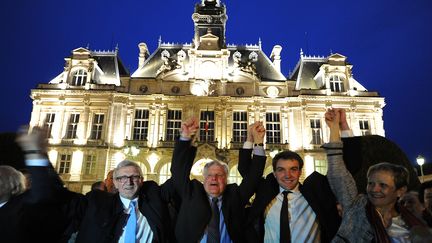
(295, 190)
(126, 201)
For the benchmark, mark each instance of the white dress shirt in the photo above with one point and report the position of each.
(398, 231)
(302, 219)
(3, 203)
(144, 232)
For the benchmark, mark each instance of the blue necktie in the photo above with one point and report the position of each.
(131, 224)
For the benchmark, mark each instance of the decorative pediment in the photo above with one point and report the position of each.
(337, 59)
(80, 52)
(209, 41)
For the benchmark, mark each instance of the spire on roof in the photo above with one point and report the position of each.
(301, 52)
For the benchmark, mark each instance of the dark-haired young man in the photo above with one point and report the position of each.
(308, 213)
(310, 209)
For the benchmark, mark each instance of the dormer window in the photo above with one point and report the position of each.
(337, 83)
(79, 77)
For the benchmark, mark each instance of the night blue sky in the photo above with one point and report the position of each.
(389, 42)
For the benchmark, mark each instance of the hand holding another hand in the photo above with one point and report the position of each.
(189, 128)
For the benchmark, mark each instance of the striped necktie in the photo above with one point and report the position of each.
(213, 233)
(131, 225)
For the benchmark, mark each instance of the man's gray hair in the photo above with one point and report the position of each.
(126, 163)
(215, 162)
(12, 182)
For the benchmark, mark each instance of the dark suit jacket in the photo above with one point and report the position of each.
(195, 211)
(317, 193)
(22, 219)
(99, 216)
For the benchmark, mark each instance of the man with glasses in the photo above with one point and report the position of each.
(214, 211)
(137, 213)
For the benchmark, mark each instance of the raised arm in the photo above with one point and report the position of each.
(183, 156)
(45, 181)
(341, 181)
(245, 153)
(251, 168)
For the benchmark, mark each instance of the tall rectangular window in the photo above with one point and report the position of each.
(141, 121)
(239, 126)
(364, 127)
(316, 131)
(320, 166)
(49, 122)
(336, 83)
(72, 126)
(64, 164)
(273, 127)
(96, 132)
(173, 124)
(90, 164)
(207, 126)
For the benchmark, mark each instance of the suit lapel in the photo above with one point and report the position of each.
(114, 226)
(267, 190)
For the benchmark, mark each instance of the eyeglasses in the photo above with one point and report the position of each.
(124, 179)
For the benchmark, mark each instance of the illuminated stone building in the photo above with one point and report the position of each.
(98, 114)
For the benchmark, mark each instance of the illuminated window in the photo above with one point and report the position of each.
(268, 170)
(234, 176)
(72, 126)
(140, 130)
(320, 166)
(96, 132)
(90, 165)
(79, 77)
(364, 127)
(164, 173)
(316, 131)
(173, 124)
(239, 126)
(336, 83)
(273, 134)
(49, 121)
(64, 164)
(207, 126)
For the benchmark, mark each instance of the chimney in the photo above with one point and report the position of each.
(143, 54)
(275, 57)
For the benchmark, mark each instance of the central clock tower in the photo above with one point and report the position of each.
(209, 17)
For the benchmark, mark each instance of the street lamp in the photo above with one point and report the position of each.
(420, 161)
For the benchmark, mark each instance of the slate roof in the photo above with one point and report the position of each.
(264, 66)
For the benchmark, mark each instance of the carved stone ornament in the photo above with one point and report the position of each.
(143, 89)
(175, 89)
(181, 55)
(237, 56)
(209, 19)
(253, 57)
(165, 55)
(240, 91)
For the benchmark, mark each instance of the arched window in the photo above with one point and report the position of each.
(144, 171)
(79, 77)
(164, 173)
(337, 83)
(234, 175)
